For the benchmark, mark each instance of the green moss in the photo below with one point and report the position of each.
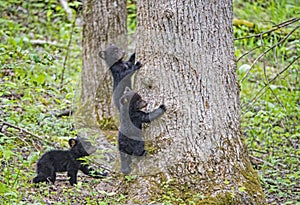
(252, 185)
(170, 192)
(218, 200)
(151, 148)
(87, 116)
(108, 123)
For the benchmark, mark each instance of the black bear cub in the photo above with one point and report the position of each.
(121, 70)
(66, 160)
(130, 140)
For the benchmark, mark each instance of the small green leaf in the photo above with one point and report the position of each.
(242, 189)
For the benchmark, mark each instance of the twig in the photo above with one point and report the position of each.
(278, 100)
(278, 26)
(264, 53)
(260, 160)
(265, 73)
(257, 96)
(247, 53)
(67, 54)
(104, 167)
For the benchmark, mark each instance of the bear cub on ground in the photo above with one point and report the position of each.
(66, 160)
(121, 70)
(130, 140)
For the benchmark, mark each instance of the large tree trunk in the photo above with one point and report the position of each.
(196, 151)
(104, 23)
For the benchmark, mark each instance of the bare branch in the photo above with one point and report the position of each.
(264, 53)
(67, 54)
(278, 26)
(258, 95)
(247, 53)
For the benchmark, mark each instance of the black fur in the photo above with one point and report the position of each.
(66, 160)
(121, 70)
(130, 140)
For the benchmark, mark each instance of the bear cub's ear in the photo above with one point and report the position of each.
(126, 94)
(72, 142)
(127, 90)
(124, 100)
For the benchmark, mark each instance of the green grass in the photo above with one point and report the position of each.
(270, 110)
(34, 39)
(262, 12)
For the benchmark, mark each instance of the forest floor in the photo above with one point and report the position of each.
(35, 54)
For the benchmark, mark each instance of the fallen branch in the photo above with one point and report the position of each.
(67, 112)
(23, 130)
(238, 22)
(43, 42)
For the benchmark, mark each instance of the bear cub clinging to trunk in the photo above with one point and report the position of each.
(66, 160)
(121, 70)
(130, 140)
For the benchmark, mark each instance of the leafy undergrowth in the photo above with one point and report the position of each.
(270, 94)
(39, 75)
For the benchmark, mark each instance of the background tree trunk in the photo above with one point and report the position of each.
(196, 151)
(104, 22)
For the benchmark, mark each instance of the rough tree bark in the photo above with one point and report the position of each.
(196, 152)
(104, 22)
